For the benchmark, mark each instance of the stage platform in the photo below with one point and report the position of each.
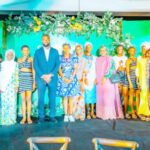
(81, 133)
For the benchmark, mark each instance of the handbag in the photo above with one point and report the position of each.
(117, 77)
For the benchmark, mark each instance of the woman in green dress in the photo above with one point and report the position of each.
(8, 88)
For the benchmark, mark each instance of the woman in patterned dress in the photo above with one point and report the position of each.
(26, 83)
(9, 88)
(68, 87)
(120, 64)
(131, 82)
(81, 72)
(90, 86)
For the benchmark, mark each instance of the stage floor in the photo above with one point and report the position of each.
(81, 133)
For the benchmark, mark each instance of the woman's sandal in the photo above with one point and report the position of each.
(29, 121)
(143, 118)
(127, 116)
(134, 116)
(147, 119)
(23, 121)
(93, 116)
(88, 115)
(81, 119)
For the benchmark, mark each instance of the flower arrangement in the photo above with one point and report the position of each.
(83, 24)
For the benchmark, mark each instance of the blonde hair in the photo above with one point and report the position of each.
(78, 45)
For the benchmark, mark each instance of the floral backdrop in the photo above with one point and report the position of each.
(83, 24)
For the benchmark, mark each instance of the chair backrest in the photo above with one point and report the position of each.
(48, 140)
(99, 142)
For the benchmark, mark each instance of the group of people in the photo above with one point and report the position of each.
(85, 83)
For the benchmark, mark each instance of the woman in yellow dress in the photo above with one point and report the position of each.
(143, 73)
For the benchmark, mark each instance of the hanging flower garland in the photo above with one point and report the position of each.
(83, 24)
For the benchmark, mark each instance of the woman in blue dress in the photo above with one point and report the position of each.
(68, 87)
(90, 78)
(9, 89)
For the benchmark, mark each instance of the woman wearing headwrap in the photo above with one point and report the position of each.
(90, 86)
(8, 88)
(108, 104)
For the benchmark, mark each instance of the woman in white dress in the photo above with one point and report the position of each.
(8, 88)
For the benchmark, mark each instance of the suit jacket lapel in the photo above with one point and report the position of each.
(50, 54)
(44, 56)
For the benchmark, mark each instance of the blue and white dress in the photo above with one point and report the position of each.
(73, 88)
(90, 89)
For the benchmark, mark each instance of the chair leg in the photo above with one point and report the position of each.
(64, 147)
(30, 145)
(35, 147)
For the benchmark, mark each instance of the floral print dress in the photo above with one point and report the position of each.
(79, 102)
(73, 88)
(9, 101)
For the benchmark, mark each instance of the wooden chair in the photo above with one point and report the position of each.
(48, 140)
(99, 142)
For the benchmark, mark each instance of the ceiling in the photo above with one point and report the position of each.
(71, 7)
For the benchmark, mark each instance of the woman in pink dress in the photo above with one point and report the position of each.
(108, 105)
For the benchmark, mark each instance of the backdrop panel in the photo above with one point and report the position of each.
(139, 30)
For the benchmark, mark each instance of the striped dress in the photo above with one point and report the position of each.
(25, 78)
(132, 74)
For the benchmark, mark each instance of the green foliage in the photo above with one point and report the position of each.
(84, 24)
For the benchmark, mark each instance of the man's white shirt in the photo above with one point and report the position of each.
(47, 51)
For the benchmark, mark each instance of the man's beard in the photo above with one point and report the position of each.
(46, 45)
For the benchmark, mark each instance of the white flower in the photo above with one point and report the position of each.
(30, 25)
(127, 41)
(112, 22)
(47, 23)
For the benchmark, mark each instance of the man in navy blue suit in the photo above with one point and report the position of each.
(46, 65)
